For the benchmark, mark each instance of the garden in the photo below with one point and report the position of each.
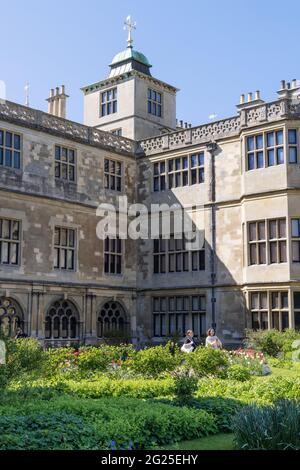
(114, 397)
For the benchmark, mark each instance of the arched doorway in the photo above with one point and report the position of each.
(11, 317)
(112, 319)
(62, 321)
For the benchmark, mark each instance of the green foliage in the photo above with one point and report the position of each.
(262, 391)
(24, 355)
(185, 384)
(239, 373)
(223, 410)
(98, 424)
(268, 428)
(272, 342)
(154, 361)
(208, 362)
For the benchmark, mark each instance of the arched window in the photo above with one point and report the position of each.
(112, 318)
(62, 321)
(11, 317)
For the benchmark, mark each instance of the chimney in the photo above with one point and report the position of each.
(57, 102)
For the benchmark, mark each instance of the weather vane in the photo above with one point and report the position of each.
(131, 26)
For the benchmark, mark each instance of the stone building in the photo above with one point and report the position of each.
(61, 283)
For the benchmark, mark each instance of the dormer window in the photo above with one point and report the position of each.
(109, 102)
(154, 103)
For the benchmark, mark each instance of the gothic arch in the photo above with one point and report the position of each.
(62, 321)
(112, 318)
(11, 316)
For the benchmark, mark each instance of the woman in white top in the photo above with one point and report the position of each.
(212, 341)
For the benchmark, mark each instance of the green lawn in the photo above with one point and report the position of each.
(218, 442)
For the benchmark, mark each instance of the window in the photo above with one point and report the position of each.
(280, 310)
(172, 256)
(174, 315)
(265, 149)
(11, 317)
(178, 172)
(111, 320)
(275, 155)
(255, 153)
(297, 310)
(154, 103)
(64, 248)
(295, 240)
(277, 241)
(62, 321)
(267, 242)
(259, 310)
(257, 243)
(117, 132)
(10, 149)
(64, 163)
(10, 238)
(292, 146)
(113, 256)
(112, 175)
(109, 103)
(160, 176)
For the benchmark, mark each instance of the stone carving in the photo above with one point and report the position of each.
(201, 134)
(255, 115)
(43, 121)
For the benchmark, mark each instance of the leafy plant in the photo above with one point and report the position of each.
(185, 384)
(64, 423)
(271, 342)
(239, 373)
(208, 362)
(274, 427)
(154, 361)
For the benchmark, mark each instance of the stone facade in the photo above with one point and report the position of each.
(247, 279)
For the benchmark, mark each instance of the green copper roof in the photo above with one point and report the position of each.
(128, 54)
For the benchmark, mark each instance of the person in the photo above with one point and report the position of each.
(20, 334)
(189, 344)
(212, 341)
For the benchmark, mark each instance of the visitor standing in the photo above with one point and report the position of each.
(189, 342)
(212, 341)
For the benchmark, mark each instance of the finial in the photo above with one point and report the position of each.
(130, 25)
(27, 88)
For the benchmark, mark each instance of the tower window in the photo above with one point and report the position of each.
(109, 102)
(154, 103)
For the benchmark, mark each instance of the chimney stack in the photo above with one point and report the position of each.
(57, 102)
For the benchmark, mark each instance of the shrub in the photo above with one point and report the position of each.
(268, 428)
(154, 361)
(207, 361)
(238, 372)
(185, 384)
(272, 342)
(24, 355)
(99, 424)
(223, 410)
(94, 359)
(264, 391)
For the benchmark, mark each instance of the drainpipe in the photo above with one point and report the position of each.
(211, 148)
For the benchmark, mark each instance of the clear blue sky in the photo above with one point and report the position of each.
(213, 50)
